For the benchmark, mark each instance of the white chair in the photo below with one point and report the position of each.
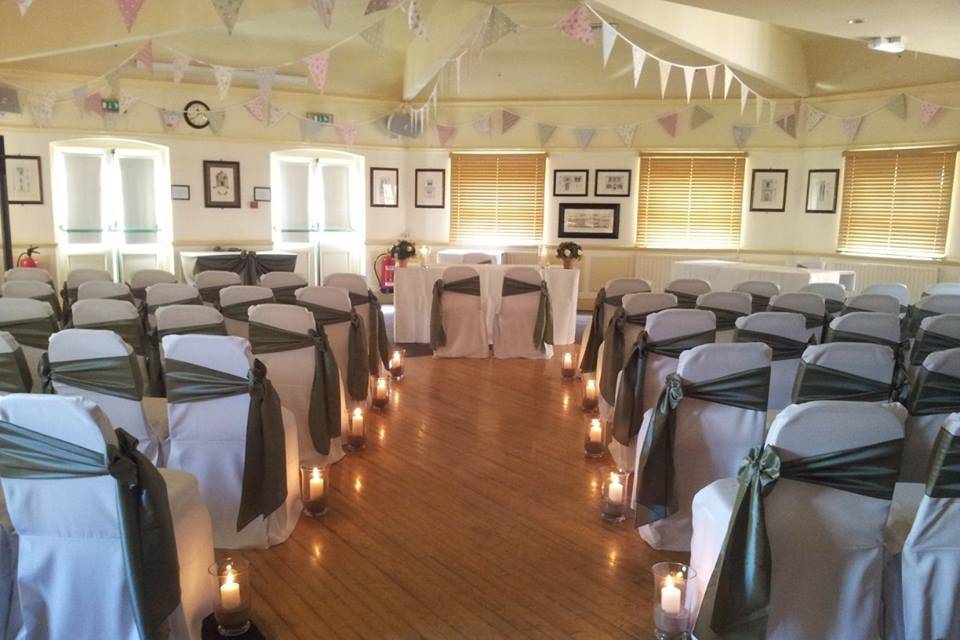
(119, 316)
(338, 333)
(166, 293)
(79, 276)
(31, 322)
(761, 291)
(931, 305)
(16, 378)
(208, 439)
(895, 290)
(183, 319)
(687, 290)
(34, 289)
(235, 303)
(71, 571)
(874, 302)
(478, 258)
(284, 285)
(811, 306)
(145, 277)
(929, 404)
(34, 274)
(832, 293)
(936, 334)
(849, 371)
(515, 320)
(365, 303)
(771, 328)
(96, 290)
(609, 299)
(945, 288)
(727, 306)
(209, 284)
(866, 326)
(826, 545)
(463, 319)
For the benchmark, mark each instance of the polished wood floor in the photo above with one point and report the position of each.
(472, 513)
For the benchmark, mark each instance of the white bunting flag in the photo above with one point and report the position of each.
(180, 64)
(170, 118)
(851, 127)
(317, 66)
(41, 108)
(23, 5)
(928, 111)
(373, 36)
(257, 107)
(741, 135)
(814, 116)
(276, 114)
(665, 68)
(759, 105)
(688, 75)
(347, 133)
(608, 37)
(126, 102)
(639, 57)
(626, 132)
(223, 76)
(744, 96)
(216, 120)
(324, 9)
(584, 136)
(265, 78)
(228, 10)
(545, 132)
(80, 97)
(711, 73)
(727, 81)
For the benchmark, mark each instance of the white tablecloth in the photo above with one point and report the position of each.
(723, 275)
(413, 293)
(455, 256)
(189, 258)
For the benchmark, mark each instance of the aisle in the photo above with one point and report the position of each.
(471, 514)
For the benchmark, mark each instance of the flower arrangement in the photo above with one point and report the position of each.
(569, 251)
(403, 250)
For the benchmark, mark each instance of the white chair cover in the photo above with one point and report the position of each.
(356, 284)
(338, 335)
(15, 309)
(921, 431)
(35, 274)
(177, 316)
(810, 304)
(690, 286)
(216, 279)
(615, 287)
(877, 302)
(864, 359)
(291, 373)
(35, 289)
(885, 326)
(476, 257)
(97, 290)
(895, 290)
(515, 319)
(238, 294)
(463, 319)
(828, 290)
(70, 566)
(736, 301)
(78, 276)
(947, 288)
(165, 293)
(208, 439)
(758, 289)
(711, 439)
(146, 277)
(937, 304)
(947, 324)
(283, 284)
(782, 372)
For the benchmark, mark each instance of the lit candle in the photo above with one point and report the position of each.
(596, 431)
(396, 365)
(230, 592)
(356, 422)
(566, 368)
(381, 393)
(670, 597)
(590, 398)
(615, 489)
(316, 484)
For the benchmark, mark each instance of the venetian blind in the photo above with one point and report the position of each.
(690, 200)
(897, 202)
(497, 197)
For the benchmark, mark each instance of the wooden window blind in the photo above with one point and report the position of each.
(897, 202)
(690, 200)
(497, 197)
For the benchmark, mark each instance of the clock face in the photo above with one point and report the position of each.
(195, 113)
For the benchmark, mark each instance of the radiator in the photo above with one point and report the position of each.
(916, 277)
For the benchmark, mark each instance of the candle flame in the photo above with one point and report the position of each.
(315, 474)
(229, 578)
(358, 413)
(396, 355)
(591, 384)
(668, 581)
(381, 383)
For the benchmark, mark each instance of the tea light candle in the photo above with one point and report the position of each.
(396, 365)
(596, 431)
(316, 484)
(615, 489)
(670, 597)
(593, 445)
(356, 422)
(590, 397)
(230, 592)
(381, 393)
(566, 367)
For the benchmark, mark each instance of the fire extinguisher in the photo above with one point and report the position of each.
(26, 260)
(385, 266)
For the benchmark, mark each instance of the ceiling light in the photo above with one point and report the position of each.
(891, 44)
(856, 21)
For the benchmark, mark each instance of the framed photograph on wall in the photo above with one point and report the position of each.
(612, 183)
(221, 184)
(822, 190)
(589, 220)
(24, 180)
(769, 190)
(179, 192)
(567, 182)
(384, 187)
(430, 188)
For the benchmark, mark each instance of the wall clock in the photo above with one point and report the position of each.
(195, 113)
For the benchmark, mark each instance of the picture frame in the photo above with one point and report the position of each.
(822, 190)
(570, 183)
(589, 220)
(24, 180)
(221, 184)
(179, 192)
(430, 188)
(768, 190)
(261, 194)
(384, 187)
(612, 183)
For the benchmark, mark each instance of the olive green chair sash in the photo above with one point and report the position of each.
(139, 293)
(117, 376)
(467, 286)
(324, 412)
(928, 342)
(628, 407)
(614, 346)
(684, 300)
(146, 525)
(834, 307)
(758, 303)
(943, 480)
(656, 494)
(154, 367)
(15, 372)
(726, 318)
(130, 331)
(933, 393)
(915, 316)
(240, 311)
(835, 335)
(249, 264)
(358, 364)
(152, 308)
(378, 343)
(588, 364)
(814, 382)
(811, 320)
(210, 329)
(211, 294)
(783, 348)
(737, 600)
(543, 326)
(286, 294)
(69, 296)
(31, 332)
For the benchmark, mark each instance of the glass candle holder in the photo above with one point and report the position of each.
(567, 368)
(594, 443)
(397, 363)
(380, 397)
(232, 594)
(356, 436)
(671, 616)
(614, 496)
(314, 485)
(590, 398)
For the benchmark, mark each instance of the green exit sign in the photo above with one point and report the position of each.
(322, 118)
(110, 106)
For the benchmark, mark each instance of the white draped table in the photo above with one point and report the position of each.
(723, 275)
(413, 295)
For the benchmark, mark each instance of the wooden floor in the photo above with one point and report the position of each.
(471, 514)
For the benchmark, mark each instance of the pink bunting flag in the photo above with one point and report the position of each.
(669, 123)
(317, 66)
(23, 5)
(851, 127)
(508, 120)
(257, 107)
(180, 64)
(578, 25)
(324, 9)
(347, 133)
(129, 9)
(228, 10)
(223, 76)
(144, 57)
(170, 119)
(265, 78)
(444, 133)
(741, 135)
(928, 111)
(92, 103)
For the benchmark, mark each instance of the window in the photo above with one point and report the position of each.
(897, 202)
(497, 197)
(690, 201)
(313, 194)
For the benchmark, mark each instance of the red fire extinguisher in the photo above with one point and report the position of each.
(385, 266)
(25, 259)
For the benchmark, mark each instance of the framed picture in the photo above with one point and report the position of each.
(769, 190)
(261, 194)
(384, 189)
(822, 190)
(24, 180)
(429, 188)
(589, 220)
(612, 183)
(221, 184)
(179, 192)
(570, 182)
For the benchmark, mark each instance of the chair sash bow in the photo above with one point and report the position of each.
(543, 326)
(588, 364)
(614, 345)
(467, 286)
(358, 364)
(249, 264)
(943, 480)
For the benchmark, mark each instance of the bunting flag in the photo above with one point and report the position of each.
(347, 133)
(170, 118)
(689, 73)
(41, 108)
(814, 116)
(699, 117)
(373, 36)
(228, 10)
(317, 65)
(143, 58)
(758, 103)
(507, 120)
(545, 132)
(727, 81)
(129, 10)
(928, 111)
(112, 79)
(309, 129)
(897, 105)
(626, 132)
(23, 5)
(669, 123)
(577, 25)
(741, 135)
(483, 125)
(92, 103)
(380, 5)
(180, 64)
(276, 114)
(584, 136)
(9, 100)
(80, 97)
(216, 120)
(223, 76)
(744, 96)
(497, 26)
(126, 102)
(665, 68)
(110, 120)
(851, 127)
(639, 57)
(415, 21)
(324, 9)
(608, 36)
(444, 133)
(788, 124)
(711, 73)
(257, 107)
(265, 78)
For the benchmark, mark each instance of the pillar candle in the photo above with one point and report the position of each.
(230, 593)
(670, 597)
(316, 484)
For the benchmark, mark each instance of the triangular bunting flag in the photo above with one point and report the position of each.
(380, 5)
(741, 135)
(23, 5)
(265, 78)
(325, 10)
(373, 36)
(129, 10)
(309, 129)
(80, 97)
(851, 127)
(228, 10)
(497, 26)
(669, 123)
(700, 116)
(483, 125)
(276, 114)
(758, 103)
(788, 124)
(444, 133)
(41, 108)
(347, 133)
(608, 38)
(584, 136)
(216, 120)
(928, 111)
(814, 116)
(711, 73)
(317, 65)
(545, 132)
(577, 25)
(626, 133)
(126, 102)
(180, 64)
(688, 75)
(170, 118)
(897, 105)
(727, 81)
(92, 103)
(507, 120)
(257, 107)
(744, 96)
(10, 100)
(665, 68)
(639, 57)
(223, 76)
(415, 20)
(144, 57)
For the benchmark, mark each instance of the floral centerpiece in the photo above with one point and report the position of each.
(403, 250)
(568, 252)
